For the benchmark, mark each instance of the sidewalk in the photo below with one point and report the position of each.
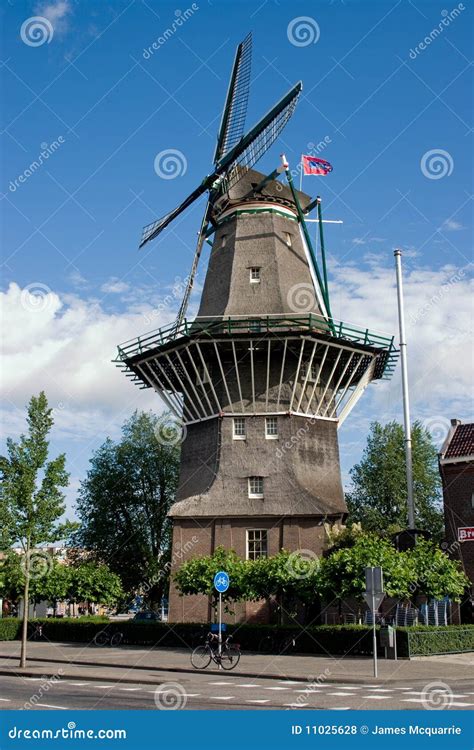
(137, 664)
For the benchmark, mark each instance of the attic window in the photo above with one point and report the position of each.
(223, 240)
(287, 238)
(255, 275)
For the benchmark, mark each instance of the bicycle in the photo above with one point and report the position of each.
(103, 638)
(228, 659)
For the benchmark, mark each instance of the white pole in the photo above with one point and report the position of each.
(406, 402)
(219, 649)
(301, 171)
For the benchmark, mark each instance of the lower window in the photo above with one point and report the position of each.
(257, 543)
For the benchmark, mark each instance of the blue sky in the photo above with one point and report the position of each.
(397, 118)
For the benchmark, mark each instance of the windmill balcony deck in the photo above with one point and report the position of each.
(254, 365)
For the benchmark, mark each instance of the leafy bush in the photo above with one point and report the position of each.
(10, 628)
(426, 641)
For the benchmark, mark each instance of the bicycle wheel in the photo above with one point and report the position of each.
(101, 638)
(230, 657)
(201, 657)
(116, 639)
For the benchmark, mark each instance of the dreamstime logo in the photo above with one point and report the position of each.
(36, 30)
(180, 18)
(302, 564)
(436, 695)
(438, 428)
(170, 431)
(301, 298)
(436, 164)
(447, 18)
(303, 31)
(40, 563)
(171, 696)
(46, 685)
(47, 150)
(36, 297)
(170, 163)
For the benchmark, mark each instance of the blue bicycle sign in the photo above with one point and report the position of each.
(221, 581)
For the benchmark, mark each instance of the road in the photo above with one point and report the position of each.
(208, 691)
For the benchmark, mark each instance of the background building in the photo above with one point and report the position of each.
(456, 464)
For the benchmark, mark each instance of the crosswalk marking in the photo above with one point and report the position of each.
(6, 700)
(258, 700)
(221, 697)
(130, 690)
(276, 688)
(48, 705)
(247, 685)
(296, 705)
(338, 693)
(78, 684)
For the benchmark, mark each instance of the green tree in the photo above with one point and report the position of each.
(31, 497)
(92, 583)
(124, 501)
(378, 496)
(286, 577)
(342, 573)
(196, 576)
(436, 576)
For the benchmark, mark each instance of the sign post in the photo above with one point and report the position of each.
(373, 595)
(221, 584)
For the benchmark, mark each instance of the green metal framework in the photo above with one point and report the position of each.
(260, 325)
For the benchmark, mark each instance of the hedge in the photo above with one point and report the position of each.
(353, 640)
(427, 641)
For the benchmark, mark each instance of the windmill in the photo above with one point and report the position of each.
(234, 155)
(262, 378)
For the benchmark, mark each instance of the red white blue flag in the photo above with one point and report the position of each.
(313, 165)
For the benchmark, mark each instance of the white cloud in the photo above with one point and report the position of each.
(439, 318)
(57, 12)
(64, 345)
(358, 241)
(452, 226)
(114, 286)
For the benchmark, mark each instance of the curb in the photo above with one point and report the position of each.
(188, 670)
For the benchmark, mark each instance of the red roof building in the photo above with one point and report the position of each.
(456, 465)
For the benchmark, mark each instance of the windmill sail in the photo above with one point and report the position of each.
(235, 108)
(258, 140)
(152, 230)
(235, 153)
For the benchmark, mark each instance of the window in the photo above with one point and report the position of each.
(239, 428)
(256, 487)
(287, 237)
(304, 371)
(257, 543)
(271, 428)
(255, 275)
(223, 240)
